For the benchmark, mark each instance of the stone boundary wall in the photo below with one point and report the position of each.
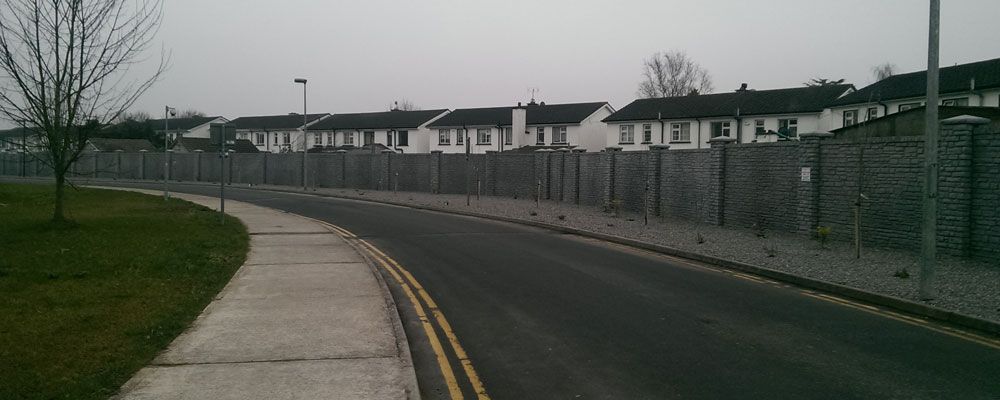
(785, 186)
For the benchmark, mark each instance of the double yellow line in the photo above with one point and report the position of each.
(410, 285)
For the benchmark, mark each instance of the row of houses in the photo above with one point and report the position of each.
(686, 122)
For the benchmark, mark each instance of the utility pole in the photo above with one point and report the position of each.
(928, 250)
(167, 111)
(305, 134)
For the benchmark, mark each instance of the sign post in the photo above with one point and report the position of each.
(224, 136)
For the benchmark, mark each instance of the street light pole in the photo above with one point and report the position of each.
(928, 248)
(305, 135)
(167, 110)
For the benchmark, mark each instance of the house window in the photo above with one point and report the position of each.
(789, 127)
(758, 127)
(369, 138)
(647, 133)
(850, 117)
(626, 134)
(540, 135)
(484, 136)
(403, 138)
(260, 139)
(286, 138)
(907, 106)
(388, 138)
(329, 138)
(349, 138)
(275, 141)
(720, 129)
(317, 140)
(680, 132)
(872, 113)
(960, 102)
(508, 136)
(559, 134)
(459, 136)
(444, 136)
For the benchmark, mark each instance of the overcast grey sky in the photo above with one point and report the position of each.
(238, 57)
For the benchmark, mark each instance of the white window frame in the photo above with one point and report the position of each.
(908, 106)
(400, 135)
(444, 136)
(286, 138)
(759, 127)
(540, 135)
(647, 133)
(792, 125)
(367, 137)
(725, 128)
(508, 136)
(626, 134)
(852, 116)
(871, 113)
(559, 135)
(955, 102)
(680, 132)
(317, 139)
(348, 138)
(261, 139)
(459, 136)
(484, 136)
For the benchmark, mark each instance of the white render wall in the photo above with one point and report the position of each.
(985, 98)
(701, 130)
(589, 134)
(418, 139)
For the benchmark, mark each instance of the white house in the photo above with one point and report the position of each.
(196, 127)
(688, 122)
(975, 84)
(402, 131)
(530, 126)
(276, 133)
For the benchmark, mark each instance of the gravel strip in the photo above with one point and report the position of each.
(969, 287)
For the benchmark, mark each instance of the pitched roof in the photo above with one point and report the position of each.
(914, 84)
(537, 114)
(749, 102)
(190, 144)
(183, 124)
(275, 122)
(17, 132)
(376, 120)
(126, 145)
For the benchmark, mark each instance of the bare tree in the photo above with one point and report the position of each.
(65, 71)
(673, 73)
(190, 113)
(884, 70)
(405, 105)
(823, 82)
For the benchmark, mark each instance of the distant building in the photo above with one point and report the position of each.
(911, 122)
(196, 127)
(124, 145)
(193, 144)
(400, 131)
(275, 133)
(17, 139)
(571, 125)
(975, 84)
(747, 115)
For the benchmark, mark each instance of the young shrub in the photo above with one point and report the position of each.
(823, 233)
(698, 238)
(561, 217)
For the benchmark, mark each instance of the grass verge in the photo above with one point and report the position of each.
(85, 305)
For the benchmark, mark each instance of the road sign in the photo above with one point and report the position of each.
(220, 132)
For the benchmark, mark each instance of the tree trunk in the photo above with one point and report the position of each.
(57, 214)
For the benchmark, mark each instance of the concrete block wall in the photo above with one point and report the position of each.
(891, 177)
(761, 186)
(683, 183)
(984, 216)
(726, 184)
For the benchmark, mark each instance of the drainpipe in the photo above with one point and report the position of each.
(739, 126)
(698, 120)
(659, 117)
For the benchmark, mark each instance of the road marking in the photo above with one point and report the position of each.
(460, 353)
(398, 272)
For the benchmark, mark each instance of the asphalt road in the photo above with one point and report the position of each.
(545, 315)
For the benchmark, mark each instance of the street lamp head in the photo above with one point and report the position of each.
(300, 80)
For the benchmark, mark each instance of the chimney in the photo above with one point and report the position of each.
(518, 123)
(972, 84)
(743, 87)
(542, 103)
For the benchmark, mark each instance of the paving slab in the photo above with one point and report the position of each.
(291, 380)
(301, 281)
(305, 317)
(302, 254)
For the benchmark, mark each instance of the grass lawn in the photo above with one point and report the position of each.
(83, 307)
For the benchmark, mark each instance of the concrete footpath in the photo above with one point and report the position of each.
(305, 317)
